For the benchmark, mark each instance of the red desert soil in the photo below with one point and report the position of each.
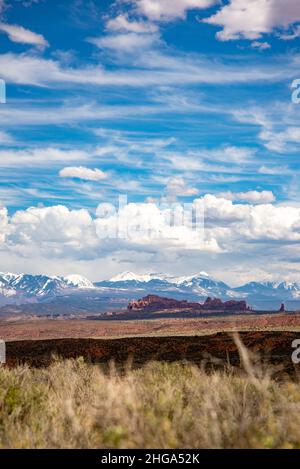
(59, 328)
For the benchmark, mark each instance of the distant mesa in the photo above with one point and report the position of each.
(231, 305)
(155, 303)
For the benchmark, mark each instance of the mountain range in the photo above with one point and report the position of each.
(18, 289)
(23, 287)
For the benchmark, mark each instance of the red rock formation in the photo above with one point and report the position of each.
(212, 303)
(157, 303)
(154, 302)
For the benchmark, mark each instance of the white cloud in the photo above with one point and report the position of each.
(126, 42)
(80, 172)
(168, 10)
(146, 69)
(52, 230)
(59, 232)
(238, 237)
(39, 157)
(149, 226)
(260, 45)
(279, 123)
(279, 141)
(209, 160)
(69, 112)
(21, 35)
(3, 224)
(232, 154)
(229, 227)
(251, 19)
(177, 186)
(122, 23)
(274, 170)
(245, 223)
(253, 197)
(234, 226)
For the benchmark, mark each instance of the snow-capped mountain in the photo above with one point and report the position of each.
(262, 295)
(129, 280)
(78, 281)
(190, 280)
(204, 285)
(132, 277)
(283, 290)
(199, 285)
(78, 290)
(19, 287)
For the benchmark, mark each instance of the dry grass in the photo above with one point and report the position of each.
(72, 404)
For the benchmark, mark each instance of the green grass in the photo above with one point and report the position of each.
(72, 404)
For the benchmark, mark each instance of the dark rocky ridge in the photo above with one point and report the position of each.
(211, 350)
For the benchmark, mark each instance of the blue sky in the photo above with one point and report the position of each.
(180, 100)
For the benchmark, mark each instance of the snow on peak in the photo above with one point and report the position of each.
(147, 277)
(8, 276)
(78, 281)
(190, 278)
(131, 276)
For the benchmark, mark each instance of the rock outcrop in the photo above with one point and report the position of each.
(158, 303)
(155, 302)
(231, 305)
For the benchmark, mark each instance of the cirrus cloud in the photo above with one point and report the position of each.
(80, 172)
(22, 35)
(122, 23)
(254, 197)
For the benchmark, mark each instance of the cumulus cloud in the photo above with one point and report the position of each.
(177, 186)
(168, 10)
(148, 227)
(80, 172)
(251, 19)
(3, 224)
(21, 35)
(152, 226)
(59, 232)
(244, 222)
(52, 230)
